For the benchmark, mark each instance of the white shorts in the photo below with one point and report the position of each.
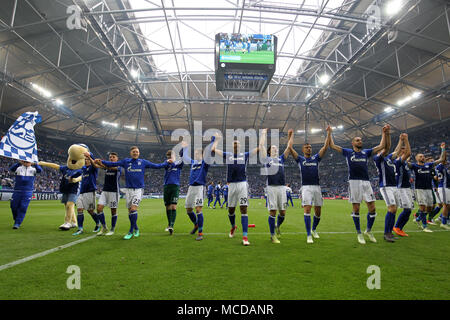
(238, 194)
(444, 195)
(86, 201)
(276, 198)
(194, 197)
(405, 196)
(424, 197)
(109, 198)
(437, 196)
(312, 196)
(390, 196)
(133, 196)
(360, 190)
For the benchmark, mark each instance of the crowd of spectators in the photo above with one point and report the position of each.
(333, 168)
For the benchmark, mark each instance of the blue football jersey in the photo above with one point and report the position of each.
(210, 189)
(309, 169)
(112, 178)
(423, 175)
(89, 181)
(443, 175)
(357, 163)
(236, 166)
(173, 173)
(278, 178)
(134, 170)
(403, 173)
(387, 171)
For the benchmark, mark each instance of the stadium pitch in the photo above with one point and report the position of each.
(258, 57)
(36, 257)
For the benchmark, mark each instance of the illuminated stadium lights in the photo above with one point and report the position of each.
(300, 131)
(323, 79)
(144, 128)
(407, 99)
(314, 130)
(130, 127)
(43, 92)
(393, 7)
(134, 73)
(59, 102)
(340, 127)
(112, 124)
(388, 109)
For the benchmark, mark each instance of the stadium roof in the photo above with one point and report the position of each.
(141, 68)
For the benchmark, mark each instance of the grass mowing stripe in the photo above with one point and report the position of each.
(44, 253)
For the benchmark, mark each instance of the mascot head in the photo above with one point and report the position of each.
(76, 159)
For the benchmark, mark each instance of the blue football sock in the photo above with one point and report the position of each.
(272, 225)
(113, 221)
(280, 219)
(370, 220)
(316, 221)
(422, 216)
(244, 221)
(307, 218)
(388, 222)
(403, 218)
(94, 217)
(80, 220)
(133, 220)
(193, 217)
(355, 216)
(101, 218)
(444, 220)
(434, 213)
(200, 222)
(232, 218)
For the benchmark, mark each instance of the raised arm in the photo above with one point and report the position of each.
(214, 146)
(325, 145)
(119, 163)
(443, 156)
(398, 147)
(37, 167)
(289, 144)
(383, 143)
(262, 143)
(49, 165)
(407, 152)
(151, 165)
(332, 145)
(14, 167)
(95, 164)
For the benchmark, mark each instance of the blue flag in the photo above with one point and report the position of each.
(20, 142)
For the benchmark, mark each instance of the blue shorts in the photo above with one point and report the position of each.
(69, 197)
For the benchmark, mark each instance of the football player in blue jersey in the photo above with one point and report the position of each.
(423, 185)
(110, 195)
(289, 195)
(134, 168)
(217, 192)
(225, 196)
(25, 174)
(209, 193)
(172, 188)
(311, 191)
(197, 181)
(443, 173)
(276, 188)
(359, 185)
(236, 162)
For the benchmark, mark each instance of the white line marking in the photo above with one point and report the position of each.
(44, 253)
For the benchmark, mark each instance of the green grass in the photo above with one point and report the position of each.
(259, 57)
(159, 266)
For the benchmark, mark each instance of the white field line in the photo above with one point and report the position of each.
(44, 253)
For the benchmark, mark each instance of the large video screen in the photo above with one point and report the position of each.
(246, 48)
